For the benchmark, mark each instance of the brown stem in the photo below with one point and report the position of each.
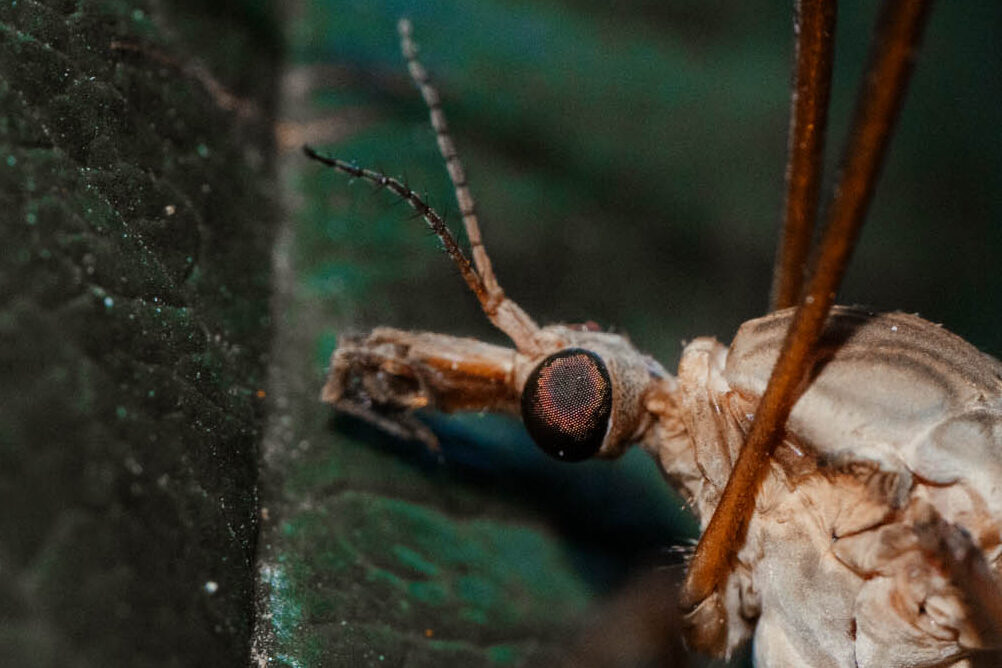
(883, 88)
(815, 31)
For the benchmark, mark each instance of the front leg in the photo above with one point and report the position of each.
(385, 376)
(721, 621)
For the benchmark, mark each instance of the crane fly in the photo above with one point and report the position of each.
(842, 463)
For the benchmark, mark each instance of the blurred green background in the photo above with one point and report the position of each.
(627, 160)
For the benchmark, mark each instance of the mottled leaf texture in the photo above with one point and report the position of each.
(137, 222)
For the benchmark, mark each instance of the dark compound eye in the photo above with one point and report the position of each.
(566, 404)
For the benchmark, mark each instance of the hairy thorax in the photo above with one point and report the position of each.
(833, 570)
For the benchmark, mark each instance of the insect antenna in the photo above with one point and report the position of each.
(502, 311)
(421, 208)
(479, 275)
(806, 144)
(447, 147)
(891, 57)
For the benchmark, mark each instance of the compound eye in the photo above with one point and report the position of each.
(567, 403)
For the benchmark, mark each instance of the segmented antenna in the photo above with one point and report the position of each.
(434, 220)
(504, 313)
(467, 207)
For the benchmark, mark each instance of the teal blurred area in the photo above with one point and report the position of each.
(628, 161)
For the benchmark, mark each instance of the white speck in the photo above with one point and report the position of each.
(211, 587)
(894, 328)
(108, 302)
(809, 299)
(134, 467)
(170, 209)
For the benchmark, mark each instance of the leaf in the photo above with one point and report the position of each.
(133, 321)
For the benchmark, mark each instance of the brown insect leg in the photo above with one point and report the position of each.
(883, 88)
(385, 376)
(815, 31)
